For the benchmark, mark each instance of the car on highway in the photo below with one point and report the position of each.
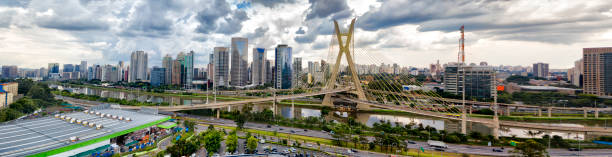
(292, 131)
(497, 150)
(411, 142)
(574, 149)
(439, 149)
(354, 151)
(305, 130)
(269, 126)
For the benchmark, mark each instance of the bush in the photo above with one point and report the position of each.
(452, 139)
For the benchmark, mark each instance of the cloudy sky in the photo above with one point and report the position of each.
(410, 33)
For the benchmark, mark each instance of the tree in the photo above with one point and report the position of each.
(252, 143)
(212, 140)
(182, 147)
(231, 143)
(189, 124)
(530, 148)
(522, 80)
(240, 119)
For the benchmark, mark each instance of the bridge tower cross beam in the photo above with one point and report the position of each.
(344, 50)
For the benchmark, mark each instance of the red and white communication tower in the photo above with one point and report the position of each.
(461, 56)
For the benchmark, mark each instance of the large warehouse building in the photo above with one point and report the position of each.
(76, 133)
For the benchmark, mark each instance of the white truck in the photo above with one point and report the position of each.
(438, 144)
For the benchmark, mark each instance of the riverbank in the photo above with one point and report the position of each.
(182, 95)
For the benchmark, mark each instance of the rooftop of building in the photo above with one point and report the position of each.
(546, 88)
(54, 134)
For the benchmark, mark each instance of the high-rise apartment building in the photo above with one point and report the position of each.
(479, 80)
(167, 65)
(259, 66)
(574, 74)
(221, 70)
(138, 66)
(283, 60)
(158, 76)
(176, 72)
(10, 71)
(597, 72)
(110, 73)
(540, 70)
(239, 62)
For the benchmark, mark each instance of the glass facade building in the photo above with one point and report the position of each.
(283, 60)
(239, 72)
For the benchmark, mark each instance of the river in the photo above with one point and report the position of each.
(363, 117)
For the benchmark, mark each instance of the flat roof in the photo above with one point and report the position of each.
(546, 88)
(49, 135)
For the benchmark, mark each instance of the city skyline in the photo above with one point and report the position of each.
(107, 32)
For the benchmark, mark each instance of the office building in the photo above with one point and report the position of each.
(91, 73)
(540, 70)
(158, 76)
(53, 68)
(479, 80)
(283, 60)
(221, 70)
(597, 72)
(239, 62)
(297, 70)
(83, 69)
(187, 69)
(138, 66)
(110, 73)
(176, 72)
(68, 68)
(167, 64)
(259, 66)
(210, 67)
(10, 71)
(269, 72)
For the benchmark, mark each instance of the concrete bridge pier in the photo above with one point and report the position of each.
(471, 109)
(539, 112)
(596, 112)
(549, 112)
(218, 113)
(585, 113)
(507, 110)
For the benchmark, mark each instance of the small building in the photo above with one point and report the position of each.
(8, 91)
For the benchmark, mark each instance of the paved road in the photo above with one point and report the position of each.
(456, 148)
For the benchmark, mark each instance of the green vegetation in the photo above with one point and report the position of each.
(212, 140)
(134, 102)
(521, 80)
(251, 144)
(231, 143)
(530, 148)
(37, 95)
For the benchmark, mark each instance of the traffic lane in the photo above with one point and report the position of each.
(584, 152)
(467, 149)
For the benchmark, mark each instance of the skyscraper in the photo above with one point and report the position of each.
(269, 72)
(83, 69)
(283, 60)
(138, 66)
(540, 70)
(221, 62)
(68, 68)
(167, 65)
(259, 66)
(176, 72)
(239, 74)
(597, 75)
(211, 66)
(9, 71)
(187, 70)
(297, 70)
(158, 76)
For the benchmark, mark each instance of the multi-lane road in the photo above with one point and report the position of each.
(455, 148)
